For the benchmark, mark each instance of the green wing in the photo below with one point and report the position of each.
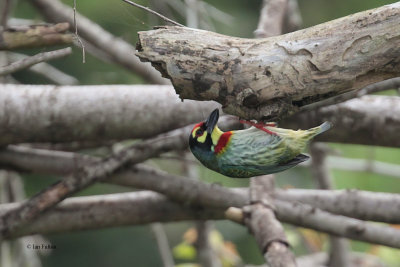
(252, 147)
(246, 171)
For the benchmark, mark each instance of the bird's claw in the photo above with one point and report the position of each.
(260, 125)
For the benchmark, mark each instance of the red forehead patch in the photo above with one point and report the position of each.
(197, 125)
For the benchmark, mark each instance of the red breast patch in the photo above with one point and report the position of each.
(222, 142)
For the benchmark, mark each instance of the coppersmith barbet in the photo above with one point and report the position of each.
(250, 152)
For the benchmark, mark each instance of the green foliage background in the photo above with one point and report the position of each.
(134, 246)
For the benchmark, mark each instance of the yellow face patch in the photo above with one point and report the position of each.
(200, 138)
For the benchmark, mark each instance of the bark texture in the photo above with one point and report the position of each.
(30, 113)
(18, 37)
(271, 77)
(61, 114)
(101, 211)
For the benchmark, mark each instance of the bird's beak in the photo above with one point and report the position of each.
(212, 121)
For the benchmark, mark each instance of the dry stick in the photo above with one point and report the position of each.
(162, 244)
(112, 210)
(47, 71)
(28, 36)
(12, 190)
(268, 231)
(272, 17)
(6, 9)
(339, 247)
(30, 61)
(76, 34)
(154, 13)
(293, 20)
(393, 83)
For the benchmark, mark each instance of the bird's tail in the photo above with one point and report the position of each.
(318, 130)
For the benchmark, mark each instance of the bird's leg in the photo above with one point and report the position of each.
(260, 125)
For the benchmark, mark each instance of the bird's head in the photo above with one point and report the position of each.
(205, 135)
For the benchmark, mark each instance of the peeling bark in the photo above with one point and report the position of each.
(269, 78)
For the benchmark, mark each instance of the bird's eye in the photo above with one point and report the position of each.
(199, 132)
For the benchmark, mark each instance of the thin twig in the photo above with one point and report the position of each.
(154, 13)
(5, 13)
(339, 247)
(77, 36)
(162, 244)
(30, 61)
(47, 71)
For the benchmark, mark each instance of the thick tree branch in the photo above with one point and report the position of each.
(30, 61)
(272, 77)
(362, 205)
(298, 214)
(63, 114)
(94, 212)
(310, 217)
(60, 114)
(120, 51)
(17, 37)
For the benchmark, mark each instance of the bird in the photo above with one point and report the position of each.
(259, 150)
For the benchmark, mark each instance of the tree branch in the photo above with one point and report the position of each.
(121, 52)
(60, 109)
(339, 247)
(162, 244)
(271, 21)
(268, 231)
(362, 205)
(30, 61)
(90, 174)
(303, 215)
(43, 113)
(94, 212)
(46, 70)
(17, 37)
(253, 79)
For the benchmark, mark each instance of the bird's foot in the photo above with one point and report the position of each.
(260, 125)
